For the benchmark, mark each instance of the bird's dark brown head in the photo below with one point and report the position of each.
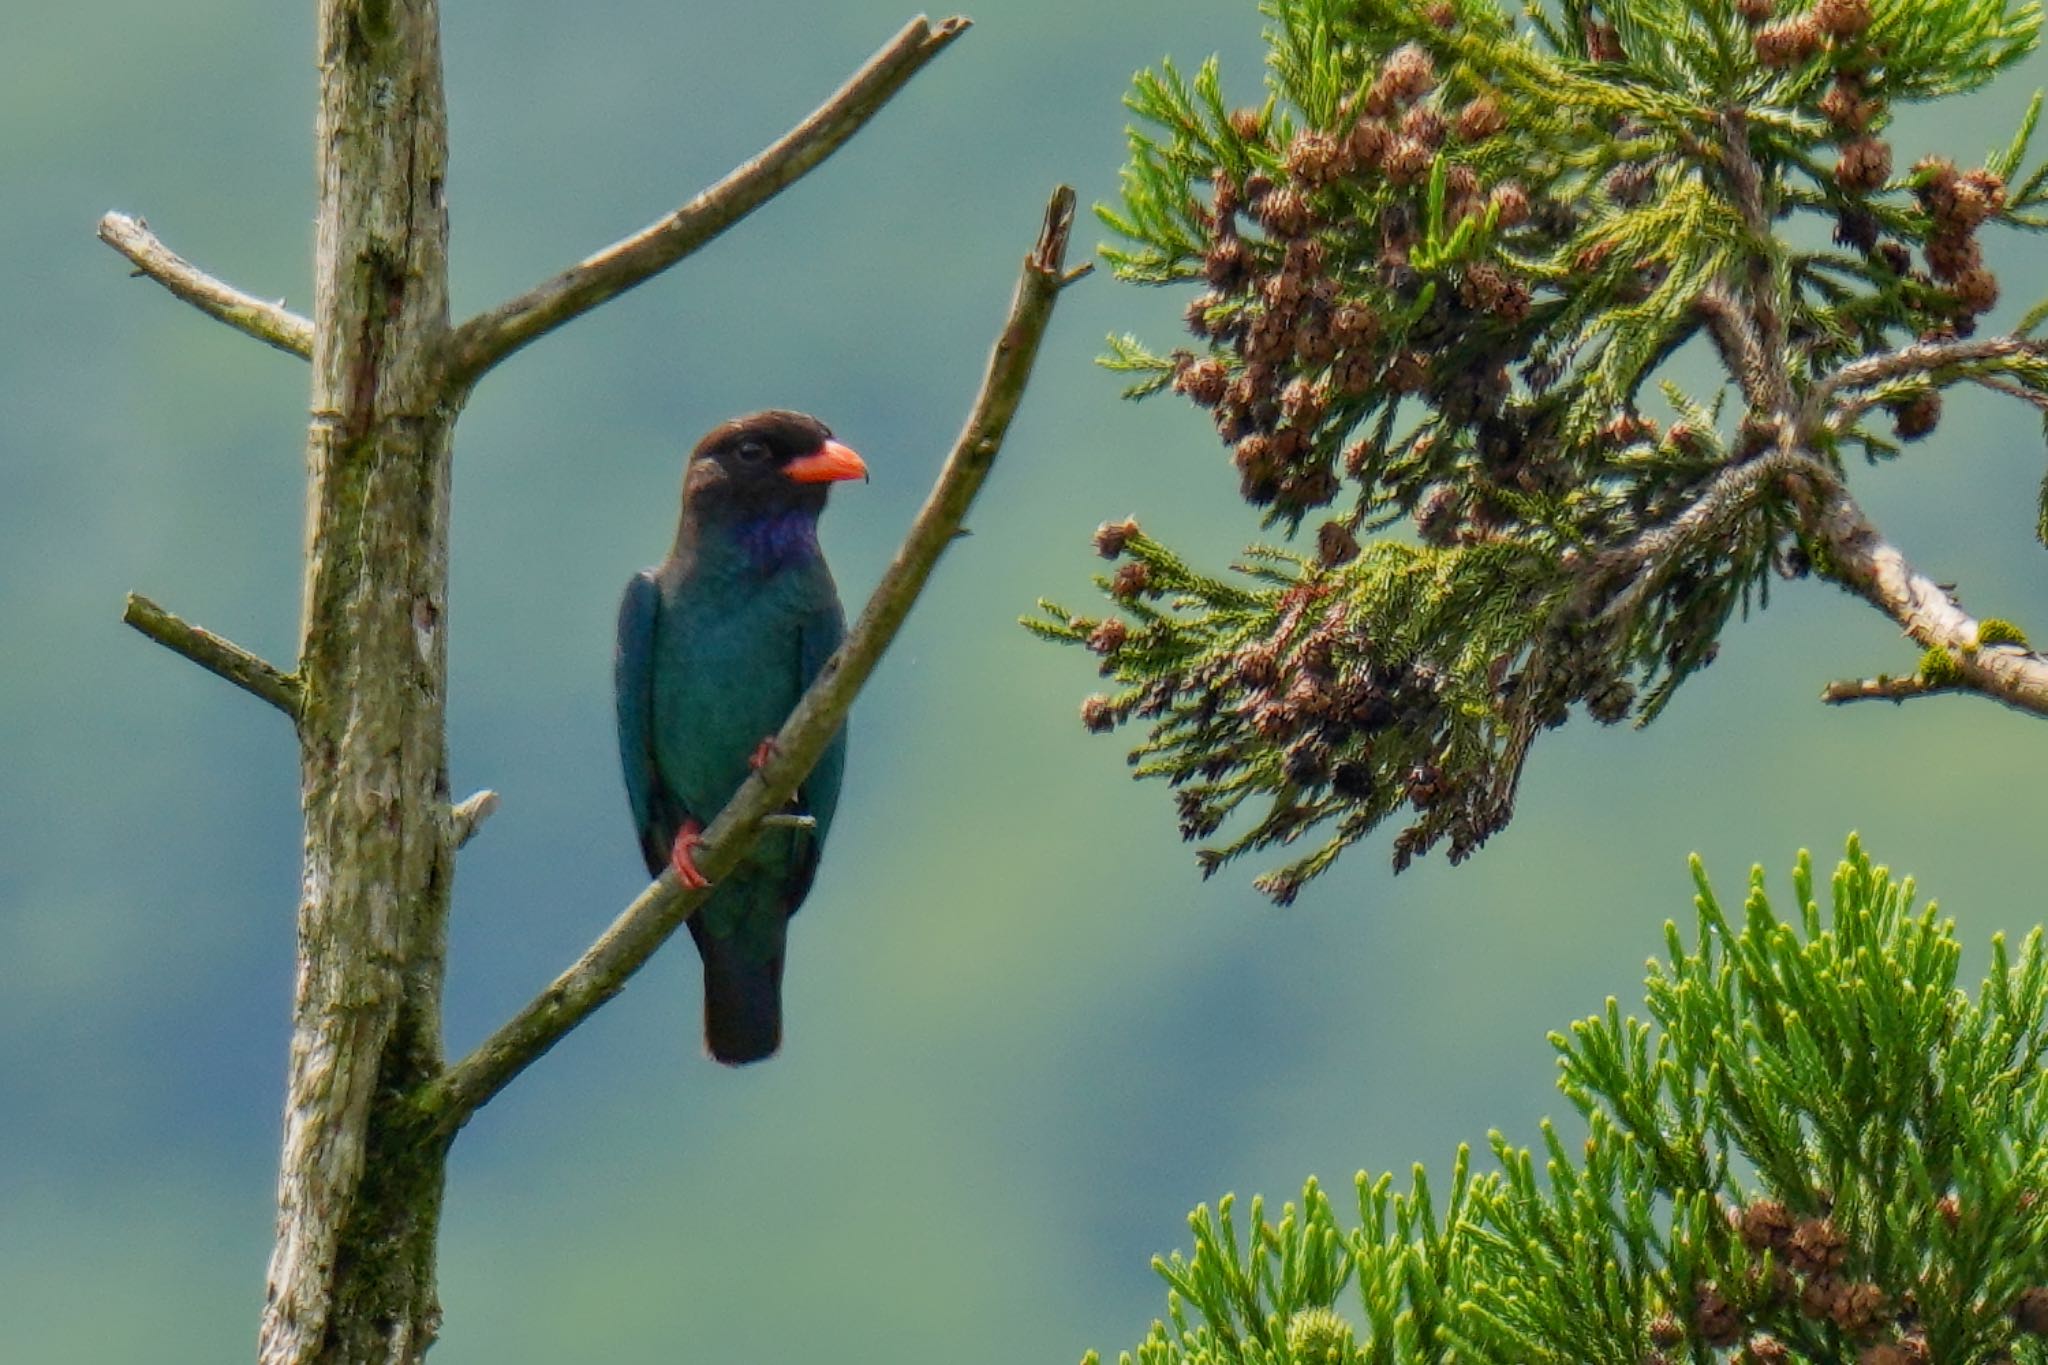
(766, 464)
(755, 486)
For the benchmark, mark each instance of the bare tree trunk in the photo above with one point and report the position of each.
(352, 1272)
(370, 1109)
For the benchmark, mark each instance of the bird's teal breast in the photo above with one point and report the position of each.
(725, 680)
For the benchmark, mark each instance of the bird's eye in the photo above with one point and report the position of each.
(752, 452)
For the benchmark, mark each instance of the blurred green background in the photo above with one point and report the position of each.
(1024, 1038)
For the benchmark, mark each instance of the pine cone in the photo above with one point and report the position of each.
(1112, 536)
(1408, 73)
(1335, 544)
(1817, 1245)
(1205, 381)
(1842, 18)
(1716, 1320)
(1315, 158)
(1765, 1225)
(1424, 125)
(1917, 416)
(1284, 211)
(1369, 142)
(1131, 580)
(1952, 254)
(1109, 637)
(1865, 164)
(1480, 119)
(1788, 42)
(2030, 1310)
(1977, 290)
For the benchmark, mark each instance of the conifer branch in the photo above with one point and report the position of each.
(483, 341)
(271, 323)
(1811, 1146)
(1766, 315)
(1742, 350)
(1445, 255)
(1976, 658)
(222, 658)
(1921, 358)
(447, 1102)
(1643, 562)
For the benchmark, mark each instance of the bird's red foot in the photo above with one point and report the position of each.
(766, 752)
(683, 856)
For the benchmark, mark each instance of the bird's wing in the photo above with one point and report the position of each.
(633, 689)
(819, 634)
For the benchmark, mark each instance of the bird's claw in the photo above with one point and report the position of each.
(682, 856)
(766, 752)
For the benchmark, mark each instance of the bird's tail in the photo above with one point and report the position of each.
(742, 1002)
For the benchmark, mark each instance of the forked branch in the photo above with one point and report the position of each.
(270, 323)
(447, 1102)
(484, 340)
(1860, 559)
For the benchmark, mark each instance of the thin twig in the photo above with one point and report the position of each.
(484, 340)
(447, 1102)
(223, 658)
(270, 323)
(1734, 334)
(467, 817)
(1883, 687)
(1919, 358)
(2038, 401)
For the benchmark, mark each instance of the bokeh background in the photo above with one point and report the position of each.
(1024, 1038)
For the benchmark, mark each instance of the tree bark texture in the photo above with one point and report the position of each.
(352, 1270)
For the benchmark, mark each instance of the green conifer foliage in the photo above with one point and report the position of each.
(1816, 1149)
(1439, 268)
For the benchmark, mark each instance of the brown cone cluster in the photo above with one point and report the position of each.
(1957, 204)
(1296, 320)
(1321, 307)
(1806, 1268)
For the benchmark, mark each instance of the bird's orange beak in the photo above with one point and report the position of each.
(829, 463)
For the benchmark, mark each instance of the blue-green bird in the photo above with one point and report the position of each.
(716, 645)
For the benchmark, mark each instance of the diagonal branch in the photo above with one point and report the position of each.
(223, 658)
(1860, 559)
(271, 323)
(1633, 572)
(484, 340)
(446, 1103)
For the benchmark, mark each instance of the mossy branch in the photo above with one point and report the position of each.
(447, 1102)
(222, 658)
(1860, 559)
